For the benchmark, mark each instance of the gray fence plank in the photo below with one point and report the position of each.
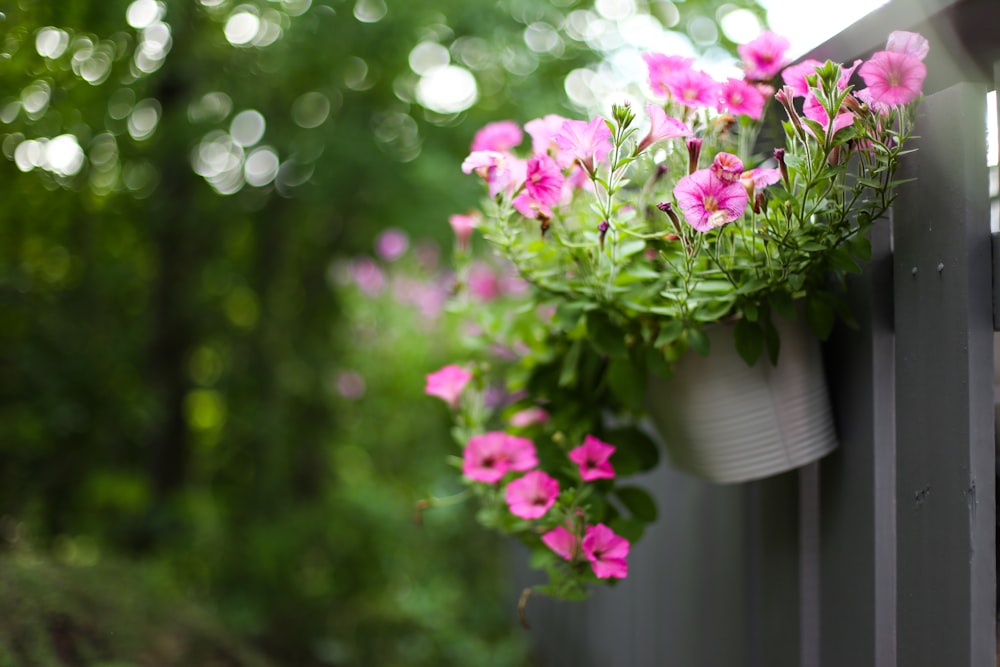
(944, 405)
(858, 505)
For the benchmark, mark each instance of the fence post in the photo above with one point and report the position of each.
(945, 513)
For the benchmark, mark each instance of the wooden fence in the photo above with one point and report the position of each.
(882, 554)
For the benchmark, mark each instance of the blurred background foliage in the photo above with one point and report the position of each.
(204, 371)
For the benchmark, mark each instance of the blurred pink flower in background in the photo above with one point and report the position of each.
(501, 135)
(736, 96)
(660, 67)
(563, 542)
(482, 281)
(463, 225)
(487, 457)
(764, 56)
(529, 416)
(350, 385)
(586, 142)
(368, 276)
(448, 383)
(606, 552)
(392, 244)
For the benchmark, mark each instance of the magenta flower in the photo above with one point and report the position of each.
(563, 542)
(795, 76)
(912, 43)
(894, 78)
(529, 416)
(709, 202)
(727, 167)
(758, 179)
(499, 136)
(544, 180)
(482, 282)
(592, 457)
(606, 552)
(693, 88)
(531, 496)
(463, 224)
(739, 97)
(660, 67)
(586, 142)
(368, 276)
(448, 383)
(661, 127)
(764, 57)
(489, 456)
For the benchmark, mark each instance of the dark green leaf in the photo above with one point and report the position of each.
(749, 338)
(605, 336)
(635, 451)
(627, 382)
(639, 503)
(820, 316)
(698, 340)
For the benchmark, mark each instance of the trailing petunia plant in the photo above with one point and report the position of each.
(629, 236)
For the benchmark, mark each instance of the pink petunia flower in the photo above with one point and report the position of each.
(463, 224)
(727, 167)
(499, 136)
(531, 496)
(758, 179)
(448, 383)
(529, 416)
(739, 97)
(813, 110)
(487, 457)
(764, 57)
(661, 127)
(563, 542)
(586, 142)
(368, 276)
(544, 180)
(592, 457)
(709, 202)
(693, 88)
(606, 552)
(543, 132)
(483, 282)
(491, 166)
(660, 67)
(912, 43)
(894, 78)
(795, 76)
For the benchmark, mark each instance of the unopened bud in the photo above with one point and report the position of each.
(602, 230)
(668, 208)
(694, 152)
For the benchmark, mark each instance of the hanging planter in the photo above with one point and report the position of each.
(728, 422)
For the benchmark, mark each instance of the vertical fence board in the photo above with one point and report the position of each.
(944, 412)
(858, 506)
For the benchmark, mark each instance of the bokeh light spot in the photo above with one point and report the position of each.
(448, 89)
(310, 109)
(247, 127)
(241, 27)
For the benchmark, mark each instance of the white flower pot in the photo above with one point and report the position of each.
(729, 422)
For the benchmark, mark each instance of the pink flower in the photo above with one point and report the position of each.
(463, 224)
(489, 456)
(529, 416)
(660, 67)
(491, 166)
(606, 552)
(499, 136)
(739, 97)
(392, 244)
(813, 110)
(661, 127)
(709, 202)
(448, 383)
(727, 167)
(586, 142)
(795, 76)
(368, 276)
(592, 457)
(531, 496)
(764, 57)
(894, 78)
(543, 132)
(544, 180)
(693, 88)
(482, 282)
(911, 43)
(758, 179)
(563, 542)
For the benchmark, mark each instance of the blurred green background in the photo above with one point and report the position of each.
(223, 249)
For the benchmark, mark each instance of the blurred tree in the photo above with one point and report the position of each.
(178, 177)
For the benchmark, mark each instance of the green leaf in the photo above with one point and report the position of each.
(749, 339)
(772, 341)
(568, 373)
(627, 382)
(698, 340)
(605, 337)
(782, 303)
(670, 331)
(568, 314)
(657, 364)
(630, 529)
(635, 451)
(820, 316)
(639, 503)
(861, 247)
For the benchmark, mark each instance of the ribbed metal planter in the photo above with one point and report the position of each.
(729, 422)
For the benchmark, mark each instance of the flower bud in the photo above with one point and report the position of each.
(694, 152)
(779, 155)
(602, 230)
(668, 208)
